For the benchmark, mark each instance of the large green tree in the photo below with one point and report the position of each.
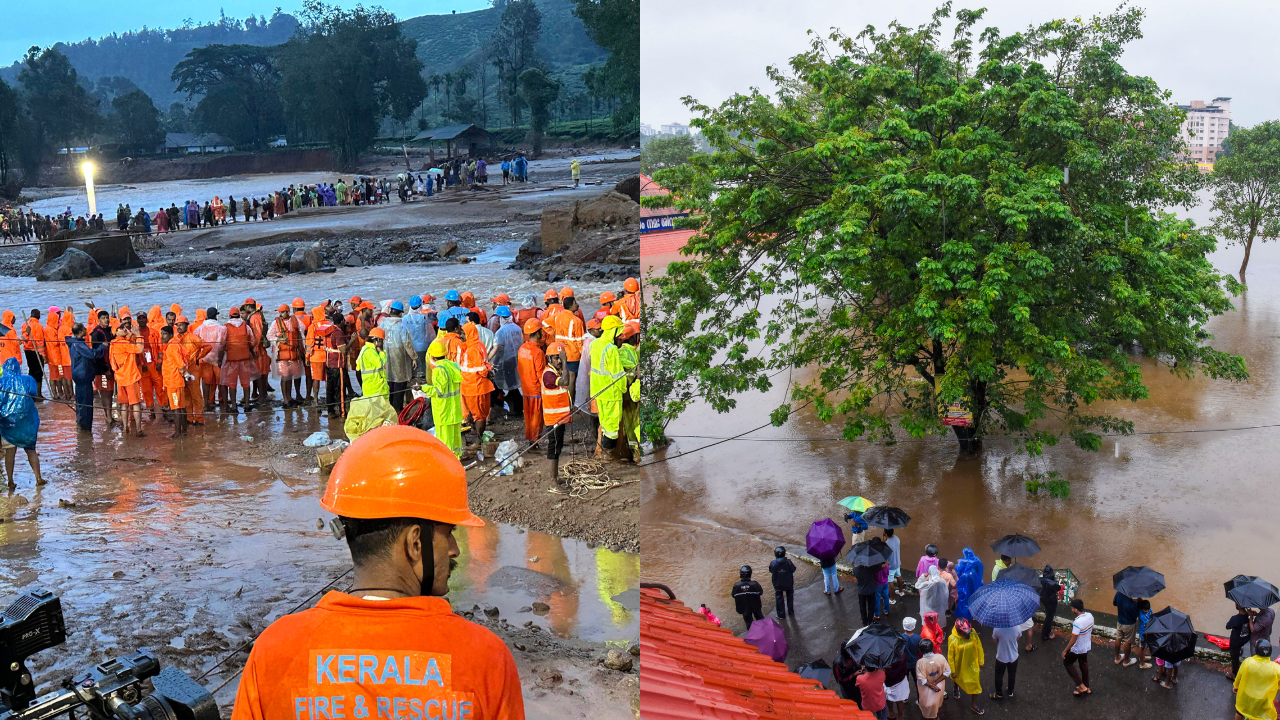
(1246, 186)
(239, 90)
(63, 111)
(514, 52)
(137, 121)
(900, 222)
(348, 71)
(539, 90)
(666, 152)
(615, 26)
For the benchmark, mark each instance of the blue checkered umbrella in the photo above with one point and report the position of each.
(1003, 603)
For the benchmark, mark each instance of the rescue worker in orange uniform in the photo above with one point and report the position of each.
(476, 385)
(530, 363)
(191, 351)
(123, 358)
(148, 383)
(556, 404)
(317, 354)
(570, 334)
(629, 305)
(54, 345)
(33, 346)
(469, 302)
(286, 335)
(156, 346)
(173, 373)
(252, 313)
(551, 299)
(10, 344)
(392, 647)
(304, 323)
(607, 300)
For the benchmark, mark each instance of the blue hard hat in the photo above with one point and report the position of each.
(502, 311)
(453, 295)
(397, 305)
(415, 301)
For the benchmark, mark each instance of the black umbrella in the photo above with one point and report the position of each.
(1016, 546)
(1138, 582)
(1249, 591)
(1018, 572)
(869, 553)
(1170, 636)
(886, 516)
(879, 646)
(818, 671)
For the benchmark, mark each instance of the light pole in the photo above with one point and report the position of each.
(88, 185)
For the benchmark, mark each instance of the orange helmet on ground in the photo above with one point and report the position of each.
(399, 471)
(377, 333)
(631, 285)
(555, 348)
(532, 326)
(550, 295)
(607, 297)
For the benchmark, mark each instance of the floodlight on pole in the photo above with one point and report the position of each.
(87, 167)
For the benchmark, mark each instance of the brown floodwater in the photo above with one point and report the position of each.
(1198, 506)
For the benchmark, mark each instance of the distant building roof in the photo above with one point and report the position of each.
(449, 132)
(694, 669)
(181, 140)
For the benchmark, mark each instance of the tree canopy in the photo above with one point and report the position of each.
(666, 152)
(53, 93)
(514, 52)
(137, 121)
(238, 86)
(1246, 186)
(539, 90)
(615, 26)
(922, 223)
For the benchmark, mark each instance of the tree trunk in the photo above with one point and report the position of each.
(1248, 247)
(969, 440)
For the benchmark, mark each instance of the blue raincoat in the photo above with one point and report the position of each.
(19, 420)
(969, 570)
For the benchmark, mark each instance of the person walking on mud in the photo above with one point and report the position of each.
(746, 597)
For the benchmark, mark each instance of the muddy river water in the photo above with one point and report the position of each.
(1199, 503)
(189, 549)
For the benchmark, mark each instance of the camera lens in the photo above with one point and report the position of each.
(153, 707)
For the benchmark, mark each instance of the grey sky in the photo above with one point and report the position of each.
(711, 49)
(43, 23)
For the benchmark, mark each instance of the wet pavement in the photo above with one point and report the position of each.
(1198, 506)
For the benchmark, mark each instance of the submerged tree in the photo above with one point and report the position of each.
(1246, 185)
(901, 220)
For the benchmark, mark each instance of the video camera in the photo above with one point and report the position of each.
(112, 690)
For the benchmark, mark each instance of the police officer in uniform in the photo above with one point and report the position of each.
(782, 570)
(746, 596)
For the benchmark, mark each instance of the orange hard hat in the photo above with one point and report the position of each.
(427, 297)
(377, 333)
(607, 297)
(501, 299)
(298, 303)
(555, 347)
(532, 326)
(355, 300)
(181, 319)
(399, 471)
(593, 324)
(628, 330)
(631, 285)
(566, 292)
(249, 301)
(550, 295)
(283, 309)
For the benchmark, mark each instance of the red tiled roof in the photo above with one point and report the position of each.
(663, 243)
(649, 187)
(693, 669)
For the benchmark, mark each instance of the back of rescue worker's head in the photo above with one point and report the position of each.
(374, 541)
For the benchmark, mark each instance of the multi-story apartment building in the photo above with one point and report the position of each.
(1205, 127)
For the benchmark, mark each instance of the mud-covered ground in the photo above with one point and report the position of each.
(608, 517)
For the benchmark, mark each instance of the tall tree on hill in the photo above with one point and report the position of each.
(895, 225)
(137, 121)
(351, 69)
(615, 26)
(463, 106)
(539, 91)
(514, 51)
(9, 139)
(240, 86)
(62, 109)
(1246, 186)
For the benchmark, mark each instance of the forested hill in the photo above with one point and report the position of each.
(146, 57)
(445, 42)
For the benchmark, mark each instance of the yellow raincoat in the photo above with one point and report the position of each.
(1256, 685)
(965, 658)
(606, 368)
(368, 413)
(445, 391)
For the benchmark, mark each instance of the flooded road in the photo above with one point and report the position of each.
(1196, 504)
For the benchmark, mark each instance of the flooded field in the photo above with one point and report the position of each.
(1192, 494)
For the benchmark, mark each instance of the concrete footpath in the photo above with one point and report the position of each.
(1043, 689)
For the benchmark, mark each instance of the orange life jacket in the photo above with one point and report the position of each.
(288, 341)
(555, 402)
(239, 345)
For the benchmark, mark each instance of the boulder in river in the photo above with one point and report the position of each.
(282, 259)
(304, 260)
(73, 264)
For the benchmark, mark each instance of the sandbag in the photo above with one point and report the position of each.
(19, 421)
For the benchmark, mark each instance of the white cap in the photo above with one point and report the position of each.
(908, 624)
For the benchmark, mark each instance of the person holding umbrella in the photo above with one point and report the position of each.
(965, 657)
(746, 596)
(824, 541)
(1171, 639)
(1256, 684)
(867, 559)
(1126, 628)
(856, 505)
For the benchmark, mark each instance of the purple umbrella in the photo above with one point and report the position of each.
(768, 637)
(825, 539)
